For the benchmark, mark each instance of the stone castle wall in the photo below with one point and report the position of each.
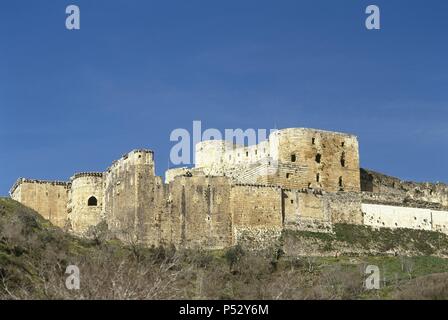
(384, 216)
(388, 202)
(222, 155)
(199, 212)
(345, 207)
(49, 198)
(298, 179)
(130, 185)
(292, 158)
(305, 210)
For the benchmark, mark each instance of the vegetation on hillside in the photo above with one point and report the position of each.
(34, 256)
(361, 239)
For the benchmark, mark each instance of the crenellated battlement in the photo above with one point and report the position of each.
(279, 182)
(87, 174)
(37, 181)
(298, 179)
(136, 155)
(49, 198)
(257, 185)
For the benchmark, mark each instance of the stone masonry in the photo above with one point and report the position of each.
(301, 179)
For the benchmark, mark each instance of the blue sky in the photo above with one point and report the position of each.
(74, 101)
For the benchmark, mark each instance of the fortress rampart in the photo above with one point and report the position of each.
(49, 198)
(291, 158)
(85, 201)
(298, 179)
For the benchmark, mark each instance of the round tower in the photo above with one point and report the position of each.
(85, 203)
(140, 157)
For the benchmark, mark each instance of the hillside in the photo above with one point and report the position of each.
(34, 256)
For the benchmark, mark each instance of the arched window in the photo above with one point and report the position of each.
(293, 157)
(318, 157)
(92, 202)
(341, 183)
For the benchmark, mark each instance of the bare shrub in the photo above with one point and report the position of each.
(432, 287)
(338, 283)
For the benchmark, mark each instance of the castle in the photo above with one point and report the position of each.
(298, 179)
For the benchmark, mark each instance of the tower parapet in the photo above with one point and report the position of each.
(135, 157)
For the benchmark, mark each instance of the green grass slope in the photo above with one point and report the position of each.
(34, 256)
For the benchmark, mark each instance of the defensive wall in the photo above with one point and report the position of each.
(298, 179)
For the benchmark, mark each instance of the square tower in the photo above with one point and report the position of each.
(310, 158)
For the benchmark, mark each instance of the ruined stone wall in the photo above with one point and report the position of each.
(383, 189)
(85, 201)
(49, 198)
